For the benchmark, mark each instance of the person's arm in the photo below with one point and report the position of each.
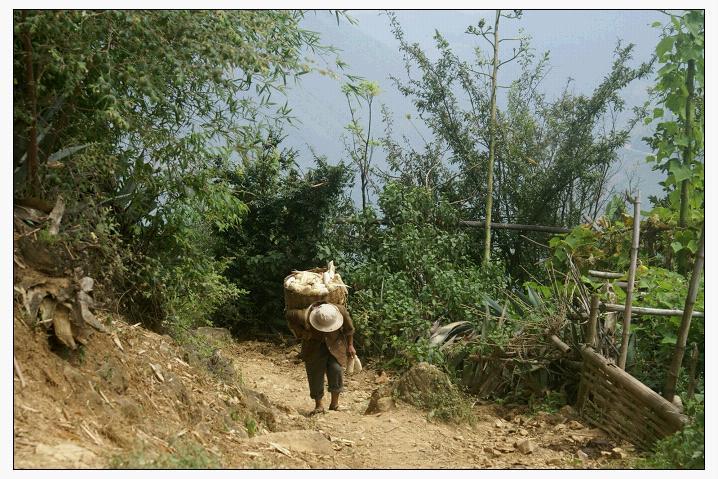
(350, 346)
(348, 328)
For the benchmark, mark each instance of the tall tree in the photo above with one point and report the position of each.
(552, 159)
(133, 115)
(496, 63)
(361, 143)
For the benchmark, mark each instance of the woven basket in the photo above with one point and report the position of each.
(296, 300)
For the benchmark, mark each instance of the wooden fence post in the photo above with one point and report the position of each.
(670, 388)
(631, 279)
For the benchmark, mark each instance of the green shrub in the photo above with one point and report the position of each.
(684, 449)
(409, 273)
(449, 405)
(251, 425)
(289, 212)
(187, 455)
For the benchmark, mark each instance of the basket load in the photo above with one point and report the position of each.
(302, 288)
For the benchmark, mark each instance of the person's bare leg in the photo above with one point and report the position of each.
(318, 407)
(334, 404)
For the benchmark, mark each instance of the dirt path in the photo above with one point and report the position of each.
(403, 437)
(137, 400)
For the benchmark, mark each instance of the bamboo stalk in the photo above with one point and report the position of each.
(482, 224)
(517, 227)
(592, 321)
(631, 280)
(670, 389)
(492, 145)
(560, 345)
(605, 274)
(692, 372)
(687, 150)
(620, 308)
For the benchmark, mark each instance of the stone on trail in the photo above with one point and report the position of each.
(64, 455)
(575, 425)
(618, 453)
(526, 446)
(582, 456)
(567, 410)
(215, 335)
(381, 400)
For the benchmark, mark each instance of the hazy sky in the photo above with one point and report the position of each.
(580, 43)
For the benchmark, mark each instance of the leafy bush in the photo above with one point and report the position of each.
(289, 214)
(653, 338)
(404, 275)
(137, 136)
(684, 449)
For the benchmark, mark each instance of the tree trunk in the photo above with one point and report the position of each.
(670, 388)
(492, 144)
(631, 281)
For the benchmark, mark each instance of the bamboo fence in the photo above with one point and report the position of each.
(621, 405)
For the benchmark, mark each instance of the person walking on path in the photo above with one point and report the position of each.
(327, 335)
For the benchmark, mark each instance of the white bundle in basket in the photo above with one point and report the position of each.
(309, 283)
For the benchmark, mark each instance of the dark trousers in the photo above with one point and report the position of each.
(318, 361)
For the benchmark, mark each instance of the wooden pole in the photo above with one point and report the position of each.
(670, 389)
(592, 322)
(631, 280)
(481, 224)
(517, 227)
(619, 308)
